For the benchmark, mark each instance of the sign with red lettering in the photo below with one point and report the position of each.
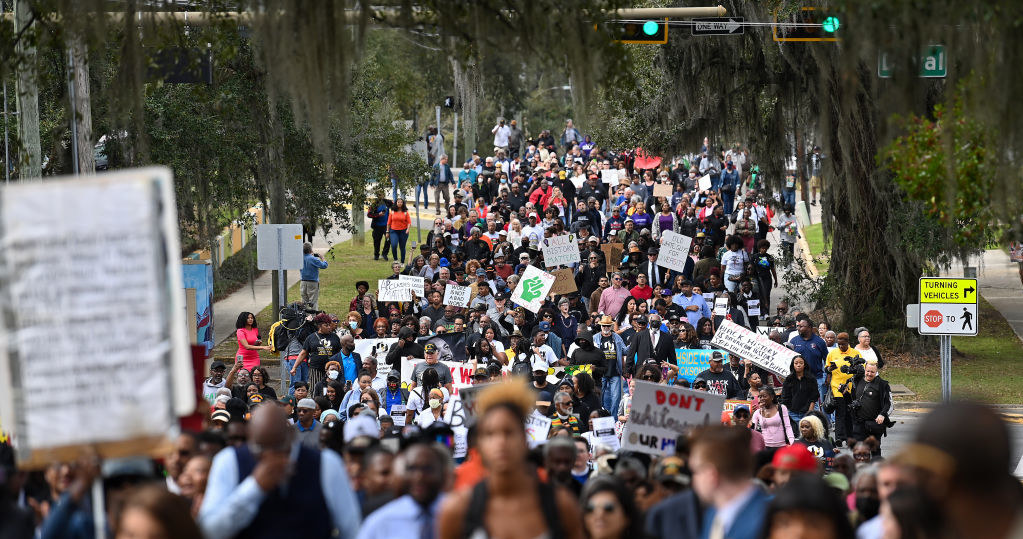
(660, 414)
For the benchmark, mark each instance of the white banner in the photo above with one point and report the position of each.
(457, 296)
(560, 250)
(746, 344)
(609, 176)
(532, 288)
(660, 414)
(416, 284)
(461, 373)
(674, 251)
(393, 290)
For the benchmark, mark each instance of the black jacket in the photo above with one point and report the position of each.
(797, 394)
(641, 349)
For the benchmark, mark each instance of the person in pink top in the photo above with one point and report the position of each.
(249, 343)
(772, 420)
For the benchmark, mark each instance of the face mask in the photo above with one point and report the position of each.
(868, 506)
(434, 403)
(353, 324)
(332, 375)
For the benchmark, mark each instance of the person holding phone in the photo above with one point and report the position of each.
(249, 343)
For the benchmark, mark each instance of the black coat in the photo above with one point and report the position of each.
(641, 349)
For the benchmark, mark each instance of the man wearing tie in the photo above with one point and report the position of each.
(427, 469)
(722, 470)
(444, 181)
(648, 343)
(655, 275)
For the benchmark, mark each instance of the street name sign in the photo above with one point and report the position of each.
(933, 63)
(717, 26)
(948, 306)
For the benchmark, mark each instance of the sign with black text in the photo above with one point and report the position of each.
(660, 414)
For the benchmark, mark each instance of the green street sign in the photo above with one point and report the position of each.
(933, 63)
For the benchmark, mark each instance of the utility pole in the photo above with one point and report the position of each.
(27, 94)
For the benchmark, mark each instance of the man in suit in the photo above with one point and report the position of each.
(722, 469)
(655, 275)
(649, 342)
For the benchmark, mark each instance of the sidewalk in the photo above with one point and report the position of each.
(258, 294)
(999, 284)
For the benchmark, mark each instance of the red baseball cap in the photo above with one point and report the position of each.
(795, 457)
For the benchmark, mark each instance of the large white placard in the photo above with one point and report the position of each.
(415, 284)
(674, 251)
(457, 296)
(757, 348)
(533, 288)
(393, 290)
(609, 176)
(660, 414)
(93, 350)
(560, 250)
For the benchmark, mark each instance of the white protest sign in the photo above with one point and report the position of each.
(560, 250)
(609, 176)
(623, 174)
(708, 296)
(532, 288)
(398, 414)
(461, 440)
(753, 307)
(461, 373)
(578, 180)
(767, 330)
(537, 429)
(660, 414)
(705, 182)
(415, 284)
(604, 432)
(462, 408)
(93, 349)
(377, 348)
(674, 251)
(457, 296)
(757, 348)
(721, 306)
(393, 290)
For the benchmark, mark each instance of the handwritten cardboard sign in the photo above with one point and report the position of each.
(660, 414)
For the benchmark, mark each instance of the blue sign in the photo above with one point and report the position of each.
(693, 362)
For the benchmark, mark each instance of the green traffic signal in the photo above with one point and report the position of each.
(830, 24)
(650, 28)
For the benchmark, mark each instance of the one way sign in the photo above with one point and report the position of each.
(717, 26)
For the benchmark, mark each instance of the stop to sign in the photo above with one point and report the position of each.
(933, 318)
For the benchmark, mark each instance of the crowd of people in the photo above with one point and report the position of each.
(344, 446)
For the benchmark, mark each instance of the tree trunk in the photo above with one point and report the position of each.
(82, 118)
(27, 90)
(872, 274)
(271, 174)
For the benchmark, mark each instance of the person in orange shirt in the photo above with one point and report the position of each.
(397, 228)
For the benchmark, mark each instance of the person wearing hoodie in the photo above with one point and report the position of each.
(584, 352)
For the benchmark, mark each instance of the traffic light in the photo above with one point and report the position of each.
(807, 24)
(649, 32)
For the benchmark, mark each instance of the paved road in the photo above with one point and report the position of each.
(908, 415)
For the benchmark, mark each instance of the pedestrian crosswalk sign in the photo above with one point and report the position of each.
(948, 306)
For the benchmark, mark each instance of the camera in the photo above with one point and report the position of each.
(846, 369)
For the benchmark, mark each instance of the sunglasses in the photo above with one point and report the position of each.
(606, 508)
(649, 378)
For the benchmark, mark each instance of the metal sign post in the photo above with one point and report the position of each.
(945, 346)
(282, 286)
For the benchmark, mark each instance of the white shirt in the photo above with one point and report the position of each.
(728, 513)
(501, 134)
(733, 261)
(402, 517)
(548, 354)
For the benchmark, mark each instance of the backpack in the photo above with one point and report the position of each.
(521, 367)
(290, 325)
(278, 338)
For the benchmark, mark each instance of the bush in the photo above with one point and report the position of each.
(236, 271)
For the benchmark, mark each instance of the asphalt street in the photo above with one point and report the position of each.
(908, 415)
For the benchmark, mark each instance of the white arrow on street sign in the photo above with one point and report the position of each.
(717, 26)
